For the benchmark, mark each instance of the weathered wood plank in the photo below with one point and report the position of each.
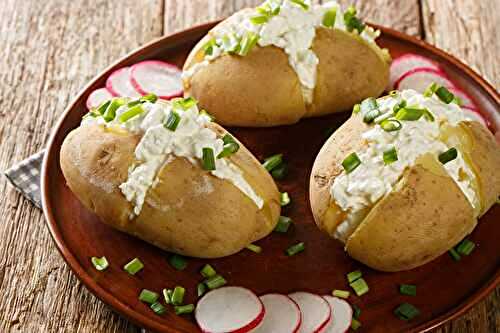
(50, 50)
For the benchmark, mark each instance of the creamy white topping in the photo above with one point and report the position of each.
(159, 145)
(356, 192)
(293, 29)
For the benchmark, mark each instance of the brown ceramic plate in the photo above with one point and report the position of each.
(446, 289)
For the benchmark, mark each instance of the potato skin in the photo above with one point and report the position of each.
(262, 89)
(189, 211)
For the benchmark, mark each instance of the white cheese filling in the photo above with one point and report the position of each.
(356, 192)
(159, 145)
(293, 29)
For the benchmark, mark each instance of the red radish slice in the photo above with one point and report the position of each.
(157, 77)
(282, 315)
(406, 63)
(341, 315)
(229, 309)
(315, 311)
(119, 84)
(466, 100)
(420, 78)
(97, 97)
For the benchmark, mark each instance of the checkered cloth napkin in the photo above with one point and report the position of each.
(25, 177)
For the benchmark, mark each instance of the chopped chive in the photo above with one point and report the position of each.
(406, 311)
(283, 224)
(295, 249)
(448, 155)
(184, 103)
(184, 309)
(399, 106)
(148, 296)
(351, 162)
(172, 121)
(329, 17)
(201, 289)
(178, 295)
(178, 262)
(110, 112)
(341, 293)
(390, 156)
(444, 95)
(351, 21)
(272, 162)
(134, 103)
(102, 108)
(229, 149)
(152, 98)
(454, 254)
(130, 113)
(208, 48)
(458, 101)
(92, 114)
(133, 266)
(100, 263)
(360, 286)
(465, 247)
(167, 295)
(393, 93)
(356, 311)
(158, 308)
(208, 271)
(408, 289)
(384, 116)
(355, 324)
(428, 115)
(370, 116)
(354, 275)
(248, 42)
(208, 159)
(254, 248)
(429, 91)
(409, 114)
(301, 3)
(259, 19)
(280, 171)
(390, 125)
(369, 109)
(356, 108)
(231, 43)
(284, 199)
(215, 282)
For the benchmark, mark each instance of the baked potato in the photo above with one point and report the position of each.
(148, 171)
(404, 179)
(284, 61)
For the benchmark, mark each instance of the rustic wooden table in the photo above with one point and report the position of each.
(52, 48)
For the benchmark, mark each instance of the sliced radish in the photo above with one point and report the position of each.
(466, 100)
(157, 77)
(408, 62)
(119, 84)
(97, 97)
(282, 315)
(341, 315)
(315, 311)
(229, 309)
(420, 78)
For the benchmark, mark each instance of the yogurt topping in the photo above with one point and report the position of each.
(293, 29)
(356, 192)
(159, 146)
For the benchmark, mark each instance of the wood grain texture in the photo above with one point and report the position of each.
(51, 49)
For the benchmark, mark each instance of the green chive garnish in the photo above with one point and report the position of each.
(351, 162)
(369, 109)
(428, 115)
(178, 262)
(301, 3)
(409, 114)
(393, 93)
(360, 286)
(178, 296)
(99, 263)
(254, 248)
(259, 19)
(429, 91)
(130, 113)
(184, 103)
(284, 199)
(390, 156)
(406, 311)
(356, 311)
(448, 155)
(208, 159)
(341, 293)
(248, 42)
(454, 254)
(444, 95)
(408, 289)
(201, 289)
(295, 249)
(356, 108)
(184, 309)
(152, 98)
(215, 282)
(172, 121)
(280, 171)
(351, 21)
(355, 324)
(390, 125)
(231, 43)
(284, 223)
(465, 247)
(148, 296)
(208, 48)
(102, 108)
(133, 266)
(272, 162)
(158, 308)
(229, 149)
(208, 271)
(329, 18)
(110, 112)
(167, 295)
(399, 106)
(354, 275)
